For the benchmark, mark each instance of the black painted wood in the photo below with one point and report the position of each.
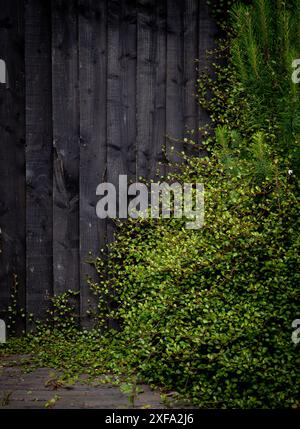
(121, 94)
(190, 55)
(207, 33)
(175, 79)
(39, 167)
(12, 159)
(65, 116)
(157, 158)
(109, 85)
(151, 85)
(93, 148)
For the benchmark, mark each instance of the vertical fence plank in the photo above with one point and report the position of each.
(146, 45)
(12, 159)
(121, 77)
(66, 146)
(92, 72)
(207, 33)
(38, 156)
(190, 48)
(151, 85)
(175, 84)
(121, 93)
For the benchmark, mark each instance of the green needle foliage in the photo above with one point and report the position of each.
(209, 312)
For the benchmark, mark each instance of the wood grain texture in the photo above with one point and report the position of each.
(109, 84)
(65, 116)
(207, 34)
(190, 55)
(151, 86)
(39, 171)
(12, 160)
(156, 165)
(93, 149)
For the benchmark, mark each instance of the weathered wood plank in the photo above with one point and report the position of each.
(38, 156)
(32, 390)
(190, 49)
(146, 45)
(93, 152)
(128, 55)
(175, 78)
(12, 159)
(151, 85)
(207, 34)
(66, 146)
(121, 93)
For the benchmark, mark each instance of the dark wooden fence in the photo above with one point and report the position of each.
(94, 89)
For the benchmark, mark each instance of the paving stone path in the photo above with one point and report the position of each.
(38, 389)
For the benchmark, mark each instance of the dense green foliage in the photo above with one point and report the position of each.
(208, 312)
